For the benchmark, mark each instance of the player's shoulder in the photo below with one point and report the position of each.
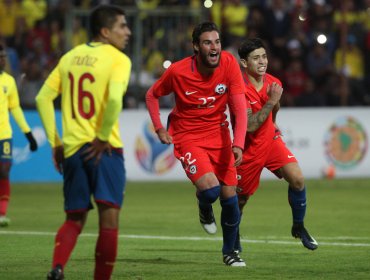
(228, 57)
(183, 66)
(270, 79)
(117, 55)
(7, 77)
(185, 62)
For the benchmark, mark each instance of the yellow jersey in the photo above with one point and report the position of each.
(9, 101)
(85, 78)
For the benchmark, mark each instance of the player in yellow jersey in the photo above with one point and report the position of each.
(91, 79)
(9, 101)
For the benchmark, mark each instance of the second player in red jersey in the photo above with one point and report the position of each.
(264, 147)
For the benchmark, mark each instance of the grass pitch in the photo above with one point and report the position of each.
(161, 238)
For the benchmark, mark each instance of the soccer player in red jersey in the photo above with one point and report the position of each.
(9, 102)
(203, 85)
(264, 147)
(91, 79)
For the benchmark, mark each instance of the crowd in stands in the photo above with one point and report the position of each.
(328, 70)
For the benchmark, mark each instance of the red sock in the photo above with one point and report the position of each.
(65, 241)
(105, 253)
(4, 196)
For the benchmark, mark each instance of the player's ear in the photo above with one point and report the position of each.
(105, 32)
(243, 62)
(196, 47)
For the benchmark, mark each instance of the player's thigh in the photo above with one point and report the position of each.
(195, 160)
(292, 173)
(278, 157)
(76, 185)
(223, 161)
(109, 179)
(249, 173)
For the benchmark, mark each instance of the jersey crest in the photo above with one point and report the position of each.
(220, 89)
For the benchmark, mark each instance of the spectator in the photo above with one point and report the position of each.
(310, 97)
(10, 11)
(319, 64)
(34, 10)
(278, 24)
(79, 33)
(57, 40)
(40, 33)
(30, 83)
(294, 80)
(349, 62)
(18, 41)
(234, 20)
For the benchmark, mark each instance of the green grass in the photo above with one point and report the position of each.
(159, 219)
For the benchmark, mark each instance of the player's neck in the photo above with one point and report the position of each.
(100, 39)
(256, 80)
(203, 69)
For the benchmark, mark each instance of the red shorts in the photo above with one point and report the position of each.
(209, 154)
(249, 172)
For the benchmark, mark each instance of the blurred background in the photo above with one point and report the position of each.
(320, 49)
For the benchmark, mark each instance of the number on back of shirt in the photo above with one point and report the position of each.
(85, 99)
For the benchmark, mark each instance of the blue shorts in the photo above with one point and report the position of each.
(6, 148)
(104, 182)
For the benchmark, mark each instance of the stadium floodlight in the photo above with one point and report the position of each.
(302, 17)
(321, 39)
(208, 4)
(166, 64)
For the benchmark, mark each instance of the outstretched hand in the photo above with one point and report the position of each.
(164, 136)
(238, 155)
(96, 150)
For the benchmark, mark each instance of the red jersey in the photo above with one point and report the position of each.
(200, 100)
(258, 141)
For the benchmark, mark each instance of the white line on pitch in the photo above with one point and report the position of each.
(193, 238)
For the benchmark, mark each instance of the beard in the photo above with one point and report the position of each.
(207, 63)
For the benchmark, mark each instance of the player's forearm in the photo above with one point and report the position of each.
(238, 106)
(257, 119)
(275, 110)
(152, 103)
(112, 111)
(45, 107)
(19, 118)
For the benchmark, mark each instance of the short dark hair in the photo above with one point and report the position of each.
(201, 28)
(248, 46)
(103, 16)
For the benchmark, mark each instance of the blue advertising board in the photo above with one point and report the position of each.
(33, 166)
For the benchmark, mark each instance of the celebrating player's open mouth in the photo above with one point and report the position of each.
(211, 59)
(214, 57)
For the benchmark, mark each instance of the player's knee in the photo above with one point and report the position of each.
(4, 171)
(242, 200)
(210, 195)
(297, 183)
